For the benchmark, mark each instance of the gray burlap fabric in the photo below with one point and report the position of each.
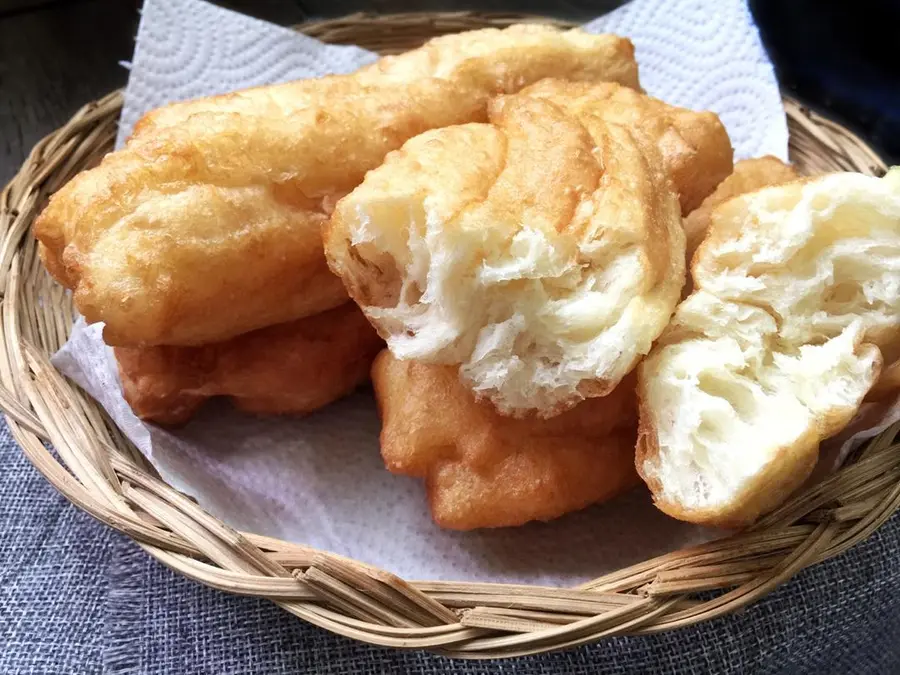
(76, 597)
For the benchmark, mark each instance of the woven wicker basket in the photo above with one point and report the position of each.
(99, 471)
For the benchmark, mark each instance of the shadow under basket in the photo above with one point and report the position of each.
(97, 469)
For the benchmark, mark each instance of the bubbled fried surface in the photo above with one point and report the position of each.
(295, 367)
(695, 147)
(485, 470)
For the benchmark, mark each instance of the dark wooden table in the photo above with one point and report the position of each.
(53, 59)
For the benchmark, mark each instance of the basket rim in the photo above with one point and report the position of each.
(97, 470)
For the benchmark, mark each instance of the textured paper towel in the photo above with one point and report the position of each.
(320, 480)
(187, 49)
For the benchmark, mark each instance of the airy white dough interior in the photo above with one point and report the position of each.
(533, 297)
(548, 317)
(798, 294)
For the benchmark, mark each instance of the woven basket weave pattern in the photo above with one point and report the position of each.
(95, 467)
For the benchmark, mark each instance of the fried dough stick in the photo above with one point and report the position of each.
(206, 225)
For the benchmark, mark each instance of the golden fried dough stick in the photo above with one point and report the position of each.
(485, 470)
(695, 147)
(486, 60)
(748, 175)
(295, 367)
(207, 223)
(542, 253)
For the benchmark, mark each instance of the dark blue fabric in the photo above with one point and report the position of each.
(843, 62)
(54, 565)
(76, 597)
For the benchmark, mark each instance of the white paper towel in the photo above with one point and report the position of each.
(187, 49)
(320, 480)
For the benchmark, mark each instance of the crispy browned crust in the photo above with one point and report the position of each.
(485, 470)
(206, 225)
(888, 385)
(695, 147)
(531, 486)
(290, 368)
